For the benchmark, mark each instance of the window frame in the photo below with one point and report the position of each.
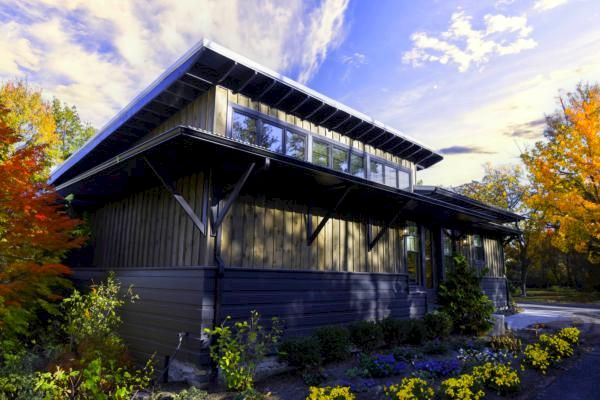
(476, 249)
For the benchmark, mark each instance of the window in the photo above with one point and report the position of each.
(271, 138)
(243, 128)
(390, 176)
(447, 244)
(428, 259)
(376, 173)
(411, 243)
(478, 250)
(295, 145)
(357, 165)
(403, 179)
(340, 159)
(320, 153)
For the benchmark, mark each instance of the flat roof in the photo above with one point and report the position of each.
(208, 64)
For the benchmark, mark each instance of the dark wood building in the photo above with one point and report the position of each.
(225, 187)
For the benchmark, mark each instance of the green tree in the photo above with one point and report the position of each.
(72, 132)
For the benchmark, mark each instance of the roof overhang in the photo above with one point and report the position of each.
(208, 64)
(183, 150)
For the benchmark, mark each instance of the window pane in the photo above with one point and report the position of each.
(296, 143)
(390, 176)
(340, 159)
(320, 153)
(403, 179)
(272, 138)
(357, 165)
(243, 128)
(412, 250)
(376, 171)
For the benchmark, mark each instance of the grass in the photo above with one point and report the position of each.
(556, 294)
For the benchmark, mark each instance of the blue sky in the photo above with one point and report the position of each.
(472, 79)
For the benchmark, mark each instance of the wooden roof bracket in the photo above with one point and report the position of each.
(373, 241)
(163, 177)
(312, 235)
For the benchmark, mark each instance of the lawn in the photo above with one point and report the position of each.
(559, 295)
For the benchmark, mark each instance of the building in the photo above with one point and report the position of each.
(225, 187)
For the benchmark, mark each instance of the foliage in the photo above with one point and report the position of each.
(35, 233)
(440, 368)
(570, 334)
(97, 380)
(334, 342)
(366, 335)
(17, 378)
(435, 347)
(191, 394)
(71, 131)
(303, 352)
(464, 387)
(536, 357)
(461, 297)
(556, 347)
(564, 171)
(408, 354)
(410, 389)
(330, 393)
(238, 351)
(413, 331)
(438, 325)
(391, 330)
(474, 356)
(380, 365)
(498, 377)
(506, 342)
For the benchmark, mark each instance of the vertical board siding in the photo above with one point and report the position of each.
(149, 229)
(260, 233)
(306, 300)
(170, 301)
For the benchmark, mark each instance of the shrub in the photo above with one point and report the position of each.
(302, 353)
(460, 296)
(407, 354)
(556, 347)
(191, 394)
(536, 357)
(440, 368)
(410, 389)
(366, 335)
(413, 331)
(238, 351)
(380, 365)
(571, 335)
(438, 325)
(334, 343)
(498, 377)
(329, 393)
(464, 387)
(392, 331)
(435, 347)
(506, 342)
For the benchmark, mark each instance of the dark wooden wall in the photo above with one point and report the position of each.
(496, 290)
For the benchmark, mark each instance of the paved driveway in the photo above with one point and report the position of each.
(540, 313)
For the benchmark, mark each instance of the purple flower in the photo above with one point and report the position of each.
(438, 367)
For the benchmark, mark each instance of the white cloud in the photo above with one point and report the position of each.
(98, 55)
(355, 59)
(465, 46)
(543, 5)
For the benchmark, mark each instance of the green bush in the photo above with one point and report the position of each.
(435, 347)
(438, 325)
(407, 354)
(303, 352)
(334, 342)
(461, 297)
(412, 331)
(238, 351)
(366, 335)
(392, 332)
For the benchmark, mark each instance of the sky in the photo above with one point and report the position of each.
(471, 79)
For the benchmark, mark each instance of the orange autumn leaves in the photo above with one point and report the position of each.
(565, 173)
(35, 231)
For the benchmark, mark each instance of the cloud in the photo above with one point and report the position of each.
(465, 46)
(528, 130)
(98, 55)
(453, 150)
(356, 59)
(544, 5)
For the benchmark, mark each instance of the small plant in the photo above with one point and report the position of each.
(334, 342)
(392, 332)
(366, 335)
(410, 389)
(471, 356)
(380, 365)
(461, 297)
(407, 354)
(499, 377)
(439, 368)
(556, 347)
(303, 353)
(570, 334)
(435, 347)
(536, 357)
(438, 325)
(464, 387)
(506, 342)
(330, 393)
(191, 394)
(238, 351)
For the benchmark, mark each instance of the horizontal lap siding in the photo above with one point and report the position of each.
(170, 301)
(306, 300)
(495, 289)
